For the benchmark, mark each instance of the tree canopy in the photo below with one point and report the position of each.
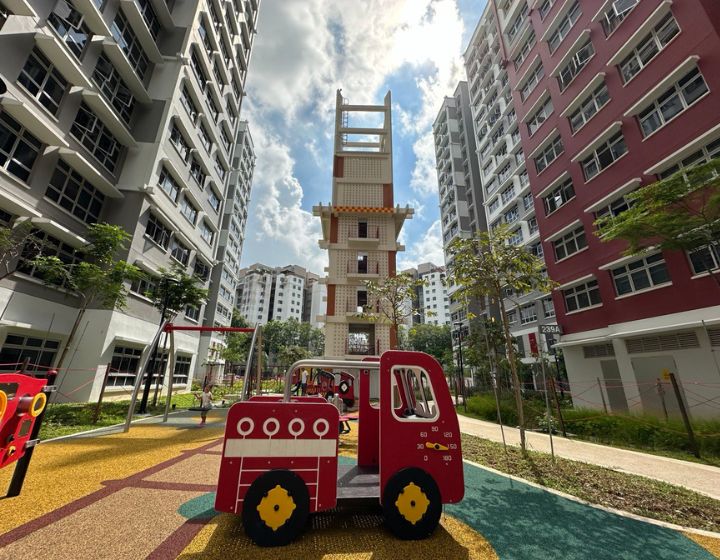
(175, 289)
(435, 340)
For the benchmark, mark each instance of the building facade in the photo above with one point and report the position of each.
(360, 228)
(613, 96)
(123, 113)
(431, 301)
(505, 180)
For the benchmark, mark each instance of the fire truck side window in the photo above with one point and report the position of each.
(413, 396)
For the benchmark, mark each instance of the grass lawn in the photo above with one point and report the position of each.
(599, 485)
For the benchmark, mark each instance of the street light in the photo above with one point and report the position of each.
(460, 356)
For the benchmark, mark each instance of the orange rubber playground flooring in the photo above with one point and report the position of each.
(149, 494)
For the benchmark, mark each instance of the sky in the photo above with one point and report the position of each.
(304, 51)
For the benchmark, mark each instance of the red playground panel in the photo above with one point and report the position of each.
(280, 464)
(21, 401)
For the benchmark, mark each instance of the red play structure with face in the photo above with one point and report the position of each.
(22, 400)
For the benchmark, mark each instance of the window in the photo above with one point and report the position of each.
(648, 47)
(187, 102)
(494, 205)
(616, 14)
(149, 17)
(549, 154)
(517, 24)
(43, 81)
(156, 231)
(17, 348)
(225, 139)
(128, 42)
(545, 7)
(533, 225)
(179, 251)
(181, 144)
(69, 25)
(673, 101)
(548, 307)
(511, 215)
(212, 106)
(704, 259)
(169, 185)
(412, 392)
(50, 247)
(206, 232)
(507, 194)
(205, 39)
(220, 168)
(192, 313)
(214, 200)
(144, 286)
(525, 50)
(570, 243)
(604, 156)
(188, 210)
(75, 194)
(564, 27)
(205, 138)
(516, 237)
(113, 88)
(182, 370)
(540, 116)
(197, 172)
(124, 366)
(532, 81)
(96, 137)
(589, 107)
(703, 155)
(559, 196)
(574, 66)
(198, 69)
(202, 270)
(615, 208)
(528, 314)
(582, 296)
(511, 317)
(640, 275)
(18, 148)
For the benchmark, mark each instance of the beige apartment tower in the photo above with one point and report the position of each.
(360, 228)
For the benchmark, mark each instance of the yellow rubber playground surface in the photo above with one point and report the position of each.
(149, 494)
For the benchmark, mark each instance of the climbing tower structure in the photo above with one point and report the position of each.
(360, 229)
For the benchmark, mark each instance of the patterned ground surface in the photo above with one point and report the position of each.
(149, 494)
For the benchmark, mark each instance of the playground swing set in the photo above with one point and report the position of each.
(279, 461)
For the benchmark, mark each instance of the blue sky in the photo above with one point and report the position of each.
(304, 51)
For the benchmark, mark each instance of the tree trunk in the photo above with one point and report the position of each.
(71, 337)
(510, 353)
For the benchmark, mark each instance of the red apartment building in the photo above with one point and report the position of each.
(612, 96)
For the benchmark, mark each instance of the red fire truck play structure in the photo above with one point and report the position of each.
(322, 383)
(280, 460)
(22, 403)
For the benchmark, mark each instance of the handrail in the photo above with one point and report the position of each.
(327, 364)
(246, 386)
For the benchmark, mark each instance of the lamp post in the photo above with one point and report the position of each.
(460, 360)
(165, 281)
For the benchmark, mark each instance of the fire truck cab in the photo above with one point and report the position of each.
(280, 454)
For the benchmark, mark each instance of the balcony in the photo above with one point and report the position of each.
(364, 237)
(362, 270)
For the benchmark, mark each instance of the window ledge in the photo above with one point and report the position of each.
(571, 256)
(583, 309)
(645, 290)
(140, 296)
(704, 274)
(675, 117)
(151, 240)
(606, 168)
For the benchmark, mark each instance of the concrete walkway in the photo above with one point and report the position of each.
(700, 478)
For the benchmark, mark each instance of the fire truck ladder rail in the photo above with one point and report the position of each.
(325, 364)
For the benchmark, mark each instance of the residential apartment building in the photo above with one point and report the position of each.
(360, 228)
(502, 35)
(224, 279)
(431, 299)
(274, 294)
(122, 112)
(315, 300)
(612, 96)
(459, 185)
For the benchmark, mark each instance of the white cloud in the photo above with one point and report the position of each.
(427, 249)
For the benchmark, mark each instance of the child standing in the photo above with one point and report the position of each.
(205, 402)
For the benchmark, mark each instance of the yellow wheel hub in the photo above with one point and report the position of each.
(412, 503)
(276, 507)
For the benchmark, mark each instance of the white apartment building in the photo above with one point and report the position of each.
(123, 112)
(505, 184)
(434, 300)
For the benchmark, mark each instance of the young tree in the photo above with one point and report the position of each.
(237, 345)
(14, 242)
(392, 301)
(485, 264)
(97, 279)
(680, 212)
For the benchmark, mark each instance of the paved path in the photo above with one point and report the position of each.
(701, 478)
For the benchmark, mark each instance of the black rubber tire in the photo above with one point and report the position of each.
(344, 387)
(255, 528)
(395, 521)
(349, 402)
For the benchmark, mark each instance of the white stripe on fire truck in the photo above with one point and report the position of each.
(280, 448)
